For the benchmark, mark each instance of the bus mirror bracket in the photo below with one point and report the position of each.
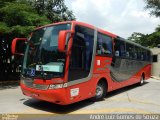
(63, 37)
(14, 45)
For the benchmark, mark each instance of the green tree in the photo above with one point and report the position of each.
(153, 6)
(136, 37)
(139, 38)
(17, 20)
(2, 2)
(55, 10)
(148, 40)
(158, 28)
(19, 17)
(153, 39)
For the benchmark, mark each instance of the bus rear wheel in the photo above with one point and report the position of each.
(142, 80)
(101, 91)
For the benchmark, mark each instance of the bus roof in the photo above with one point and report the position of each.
(98, 29)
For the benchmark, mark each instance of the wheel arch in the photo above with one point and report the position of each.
(103, 79)
(143, 75)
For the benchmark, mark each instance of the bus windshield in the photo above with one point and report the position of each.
(42, 59)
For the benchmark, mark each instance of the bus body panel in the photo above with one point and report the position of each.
(55, 96)
(86, 90)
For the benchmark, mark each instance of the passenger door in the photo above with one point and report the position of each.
(81, 53)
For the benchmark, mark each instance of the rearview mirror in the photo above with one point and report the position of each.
(18, 46)
(64, 35)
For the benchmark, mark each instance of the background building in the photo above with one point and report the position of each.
(156, 62)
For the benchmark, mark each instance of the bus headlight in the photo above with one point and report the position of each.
(57, 86)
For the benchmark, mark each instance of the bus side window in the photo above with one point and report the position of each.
(138, 52)
(119, 48)
(104, 44)
(117, 53)
(130, 51)
(148, 56)
(135, 55)
(127, 54)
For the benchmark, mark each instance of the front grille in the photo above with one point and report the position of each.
(29, 83)
(40, 87)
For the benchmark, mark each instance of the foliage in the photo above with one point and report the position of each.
(158, 28)
(55, 10)
(4, 29)
(139, 38)
(153, 39)
(148, 40)
(153, 6)
(19, 18)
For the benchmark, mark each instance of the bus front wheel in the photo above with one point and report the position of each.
(100, 92)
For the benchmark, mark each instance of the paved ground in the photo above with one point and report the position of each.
(132, 99)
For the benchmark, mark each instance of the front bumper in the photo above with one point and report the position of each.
(57, 96)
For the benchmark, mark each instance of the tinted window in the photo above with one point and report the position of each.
(130, 51)
(155, 58)
(148, 56)
(119, 48)
(138, 52)
(42, 53)
(143, 54)
(104, 44)
(81, 54)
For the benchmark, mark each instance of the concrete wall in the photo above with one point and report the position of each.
(156, 65)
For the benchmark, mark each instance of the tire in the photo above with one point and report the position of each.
(141, 81)
(101, 91)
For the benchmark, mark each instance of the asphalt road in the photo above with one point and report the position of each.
(133, 99)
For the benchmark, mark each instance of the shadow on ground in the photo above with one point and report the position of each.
(125, 89)
(9, 85)
(59, 109)
(54, 108)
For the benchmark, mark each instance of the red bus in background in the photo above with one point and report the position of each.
(71, 61)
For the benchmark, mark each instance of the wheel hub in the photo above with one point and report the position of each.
(99, 91)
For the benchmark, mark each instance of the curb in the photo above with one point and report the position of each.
(157, 78)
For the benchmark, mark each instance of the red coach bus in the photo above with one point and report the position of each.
(71, 61)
